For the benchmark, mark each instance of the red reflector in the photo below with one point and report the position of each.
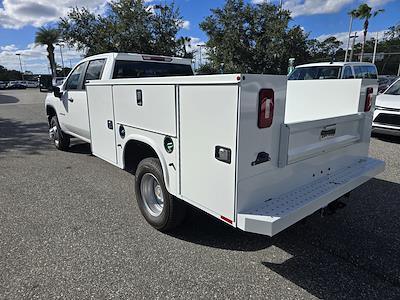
(368, 99)
(265, 108)
(156, 58)
(227, 220)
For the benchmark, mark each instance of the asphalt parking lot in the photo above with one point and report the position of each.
(70, 228)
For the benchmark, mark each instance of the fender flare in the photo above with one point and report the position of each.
(157, 150)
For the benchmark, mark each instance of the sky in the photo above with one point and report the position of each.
(19, 20)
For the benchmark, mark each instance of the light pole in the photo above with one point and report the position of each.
(352, 46)
(348, 40)
(20, 65)
(200, 56)
(62, 58)
(375, 47)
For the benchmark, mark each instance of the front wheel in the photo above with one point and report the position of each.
(59, 138)
(160, 209)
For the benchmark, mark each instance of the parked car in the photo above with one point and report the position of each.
(384, 81)
(45, 83)
(233, 145)
(58, 81)
(387, 111)
(3, 85)
(16, 85)
(335, 70)
(31, 84)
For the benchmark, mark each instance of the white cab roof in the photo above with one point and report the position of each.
(140, 57)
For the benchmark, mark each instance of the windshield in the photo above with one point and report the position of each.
(138, 69)
(394, 89)
(312, 73)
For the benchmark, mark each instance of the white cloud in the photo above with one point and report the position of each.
(343, 36)
(186, 24)
(11, 47)
(313, 7)
(19, 13)
(34, 58)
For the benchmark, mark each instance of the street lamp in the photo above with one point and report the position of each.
(62, 58)
(352, 46)
(20, 65)
(200, 57)
(348, 40)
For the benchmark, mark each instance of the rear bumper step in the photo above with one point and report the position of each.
(278, 213)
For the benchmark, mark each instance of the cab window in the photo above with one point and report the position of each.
(347, 73)
(95, 69)
(73, 82)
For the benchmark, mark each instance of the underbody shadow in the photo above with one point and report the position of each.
(352, 253)
(5, 99)
(80, 148)
(387, 138)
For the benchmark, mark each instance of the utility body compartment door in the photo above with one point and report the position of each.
(101, 121)
(208, 125)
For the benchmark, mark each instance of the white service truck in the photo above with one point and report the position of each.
(256, 151)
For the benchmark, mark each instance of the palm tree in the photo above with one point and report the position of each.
(182, 43)
(48, 37)
(364, 12)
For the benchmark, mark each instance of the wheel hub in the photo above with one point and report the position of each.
(53, 134)
(152, 194)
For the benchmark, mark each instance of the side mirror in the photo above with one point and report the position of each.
(57, 92)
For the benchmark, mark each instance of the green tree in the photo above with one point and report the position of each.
(129, 26)
(9, 74)
(252, 38)
(364, 12)
(48, 37)
(325, 50)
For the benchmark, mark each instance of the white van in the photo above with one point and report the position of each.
(335, 70)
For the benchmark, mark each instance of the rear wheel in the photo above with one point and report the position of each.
(160, 209)
(59, 138)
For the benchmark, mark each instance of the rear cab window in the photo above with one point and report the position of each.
(315, 73)
(139, 69)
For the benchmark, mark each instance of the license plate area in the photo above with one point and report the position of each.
(300, 141)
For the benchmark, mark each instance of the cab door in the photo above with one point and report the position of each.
(75, 97)
(74, 115)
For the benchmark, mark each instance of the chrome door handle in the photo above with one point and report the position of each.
(70, 100)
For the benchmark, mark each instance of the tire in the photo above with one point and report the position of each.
(162, 211)
(59, 138)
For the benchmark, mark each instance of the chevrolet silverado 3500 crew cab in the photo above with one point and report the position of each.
(256, 151)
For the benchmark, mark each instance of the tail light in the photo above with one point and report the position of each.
(368, 99)
(265, 108)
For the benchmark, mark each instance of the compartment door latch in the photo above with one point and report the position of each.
(223, 154)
